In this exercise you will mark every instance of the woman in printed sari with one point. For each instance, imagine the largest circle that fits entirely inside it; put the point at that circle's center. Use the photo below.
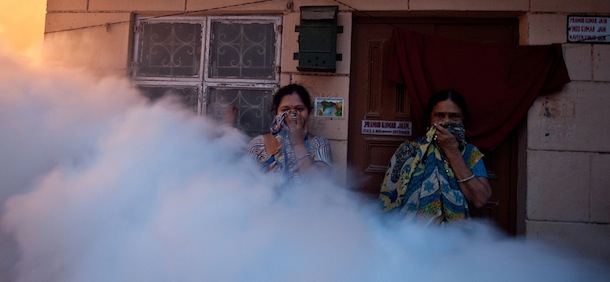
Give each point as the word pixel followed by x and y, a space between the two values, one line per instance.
pixel 290 149
pixel 434 178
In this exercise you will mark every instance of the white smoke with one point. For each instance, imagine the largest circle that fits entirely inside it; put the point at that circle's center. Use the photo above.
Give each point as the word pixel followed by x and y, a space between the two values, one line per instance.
pixel 98 185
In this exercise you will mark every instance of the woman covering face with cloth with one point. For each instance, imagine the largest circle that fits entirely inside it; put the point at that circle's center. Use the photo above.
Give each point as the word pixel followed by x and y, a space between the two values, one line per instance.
pixel 290 149
pixel 434 178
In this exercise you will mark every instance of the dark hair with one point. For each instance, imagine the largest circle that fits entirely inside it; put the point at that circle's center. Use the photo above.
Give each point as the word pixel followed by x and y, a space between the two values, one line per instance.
pixel 445 95
pixel 287 90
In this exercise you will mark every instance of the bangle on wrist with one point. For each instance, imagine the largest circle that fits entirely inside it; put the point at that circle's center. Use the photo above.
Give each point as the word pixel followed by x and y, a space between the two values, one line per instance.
pixel 466 179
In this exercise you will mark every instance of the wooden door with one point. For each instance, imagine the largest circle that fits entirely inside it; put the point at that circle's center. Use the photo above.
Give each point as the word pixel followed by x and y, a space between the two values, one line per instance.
pixel 374 97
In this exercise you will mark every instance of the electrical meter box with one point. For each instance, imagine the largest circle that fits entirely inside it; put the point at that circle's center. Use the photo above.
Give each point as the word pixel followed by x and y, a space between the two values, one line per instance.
pixel 318 39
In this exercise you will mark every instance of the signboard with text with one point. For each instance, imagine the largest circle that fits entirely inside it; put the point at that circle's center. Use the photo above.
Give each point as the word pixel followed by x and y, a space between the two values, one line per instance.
pixel 386 127
pixel 589 29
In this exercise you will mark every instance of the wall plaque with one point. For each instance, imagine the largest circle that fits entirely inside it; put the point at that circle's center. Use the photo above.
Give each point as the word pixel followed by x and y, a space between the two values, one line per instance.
pixel 386 127
pixel 588 29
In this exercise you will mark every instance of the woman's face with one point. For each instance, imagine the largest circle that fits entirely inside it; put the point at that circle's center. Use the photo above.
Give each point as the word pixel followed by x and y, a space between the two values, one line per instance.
pixel 293 102
pixel 446 111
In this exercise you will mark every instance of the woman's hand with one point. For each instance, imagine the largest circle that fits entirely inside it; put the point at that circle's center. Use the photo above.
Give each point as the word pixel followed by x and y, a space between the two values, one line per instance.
pixel 446 141
pixel 297 130
pixel 297 127
pixel 477 190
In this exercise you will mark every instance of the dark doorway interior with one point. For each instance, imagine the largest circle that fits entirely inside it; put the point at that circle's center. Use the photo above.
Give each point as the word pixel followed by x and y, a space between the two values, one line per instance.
pixel 374 97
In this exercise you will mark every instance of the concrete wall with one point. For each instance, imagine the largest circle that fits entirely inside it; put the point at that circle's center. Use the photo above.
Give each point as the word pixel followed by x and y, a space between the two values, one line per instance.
pixel 568 191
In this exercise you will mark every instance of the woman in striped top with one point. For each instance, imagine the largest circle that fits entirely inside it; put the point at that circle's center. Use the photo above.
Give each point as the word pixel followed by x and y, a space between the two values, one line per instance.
pixel 290 149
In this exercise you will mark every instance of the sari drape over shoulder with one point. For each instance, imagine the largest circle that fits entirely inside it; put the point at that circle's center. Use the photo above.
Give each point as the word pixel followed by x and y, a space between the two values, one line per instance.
pixel 283 160
pixel 420 183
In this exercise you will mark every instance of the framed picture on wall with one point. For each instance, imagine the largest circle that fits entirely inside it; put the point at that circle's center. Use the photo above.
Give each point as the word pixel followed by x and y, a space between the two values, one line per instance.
pixel 328 107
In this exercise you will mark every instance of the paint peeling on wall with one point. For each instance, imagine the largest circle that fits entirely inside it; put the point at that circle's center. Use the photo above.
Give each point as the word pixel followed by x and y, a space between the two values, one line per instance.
pixel 558 107
pixel 558 124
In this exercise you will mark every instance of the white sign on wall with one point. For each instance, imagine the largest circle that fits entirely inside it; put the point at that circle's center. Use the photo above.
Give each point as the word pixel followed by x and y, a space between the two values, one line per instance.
pixel 588 29
pixel 386 127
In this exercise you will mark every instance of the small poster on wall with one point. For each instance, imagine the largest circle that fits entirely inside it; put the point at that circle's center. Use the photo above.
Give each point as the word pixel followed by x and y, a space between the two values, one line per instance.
pixel 328 107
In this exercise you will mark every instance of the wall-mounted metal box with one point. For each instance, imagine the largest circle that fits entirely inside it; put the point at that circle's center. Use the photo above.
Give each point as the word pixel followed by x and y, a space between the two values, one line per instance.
pixel 318 39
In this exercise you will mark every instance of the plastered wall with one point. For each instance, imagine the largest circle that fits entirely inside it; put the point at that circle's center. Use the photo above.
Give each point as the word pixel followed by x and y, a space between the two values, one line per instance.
pixel 568 187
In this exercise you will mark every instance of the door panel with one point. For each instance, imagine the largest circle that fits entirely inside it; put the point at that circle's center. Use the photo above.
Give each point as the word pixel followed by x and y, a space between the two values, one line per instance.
pixel 374 97
pixel 370 88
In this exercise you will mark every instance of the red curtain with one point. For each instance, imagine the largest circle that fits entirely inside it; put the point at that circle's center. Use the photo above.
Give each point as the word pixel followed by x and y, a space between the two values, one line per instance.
pixel 499 82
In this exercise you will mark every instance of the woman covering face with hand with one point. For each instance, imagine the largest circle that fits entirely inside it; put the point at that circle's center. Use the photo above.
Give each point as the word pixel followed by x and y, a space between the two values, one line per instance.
pixel 437 176
pixel 290 149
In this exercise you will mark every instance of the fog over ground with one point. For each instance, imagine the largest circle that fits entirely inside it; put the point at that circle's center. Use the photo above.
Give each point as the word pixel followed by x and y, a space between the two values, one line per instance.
pixel 96 184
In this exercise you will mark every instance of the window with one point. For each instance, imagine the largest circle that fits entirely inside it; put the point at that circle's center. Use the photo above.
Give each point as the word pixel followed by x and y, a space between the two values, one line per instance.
pixel 212 64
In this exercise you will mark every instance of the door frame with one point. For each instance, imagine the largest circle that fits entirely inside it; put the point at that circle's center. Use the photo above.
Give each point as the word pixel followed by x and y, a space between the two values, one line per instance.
pixel 519 160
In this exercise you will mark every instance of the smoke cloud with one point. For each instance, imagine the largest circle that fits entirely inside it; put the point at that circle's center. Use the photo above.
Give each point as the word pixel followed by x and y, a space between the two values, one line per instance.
pixel 96 184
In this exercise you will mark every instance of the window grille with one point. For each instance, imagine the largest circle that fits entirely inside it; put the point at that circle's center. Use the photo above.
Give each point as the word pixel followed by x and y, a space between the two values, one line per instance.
pixel 211 64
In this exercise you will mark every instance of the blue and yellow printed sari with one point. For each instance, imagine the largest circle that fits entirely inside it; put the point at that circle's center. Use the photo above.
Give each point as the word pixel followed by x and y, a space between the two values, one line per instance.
pixel 420 183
